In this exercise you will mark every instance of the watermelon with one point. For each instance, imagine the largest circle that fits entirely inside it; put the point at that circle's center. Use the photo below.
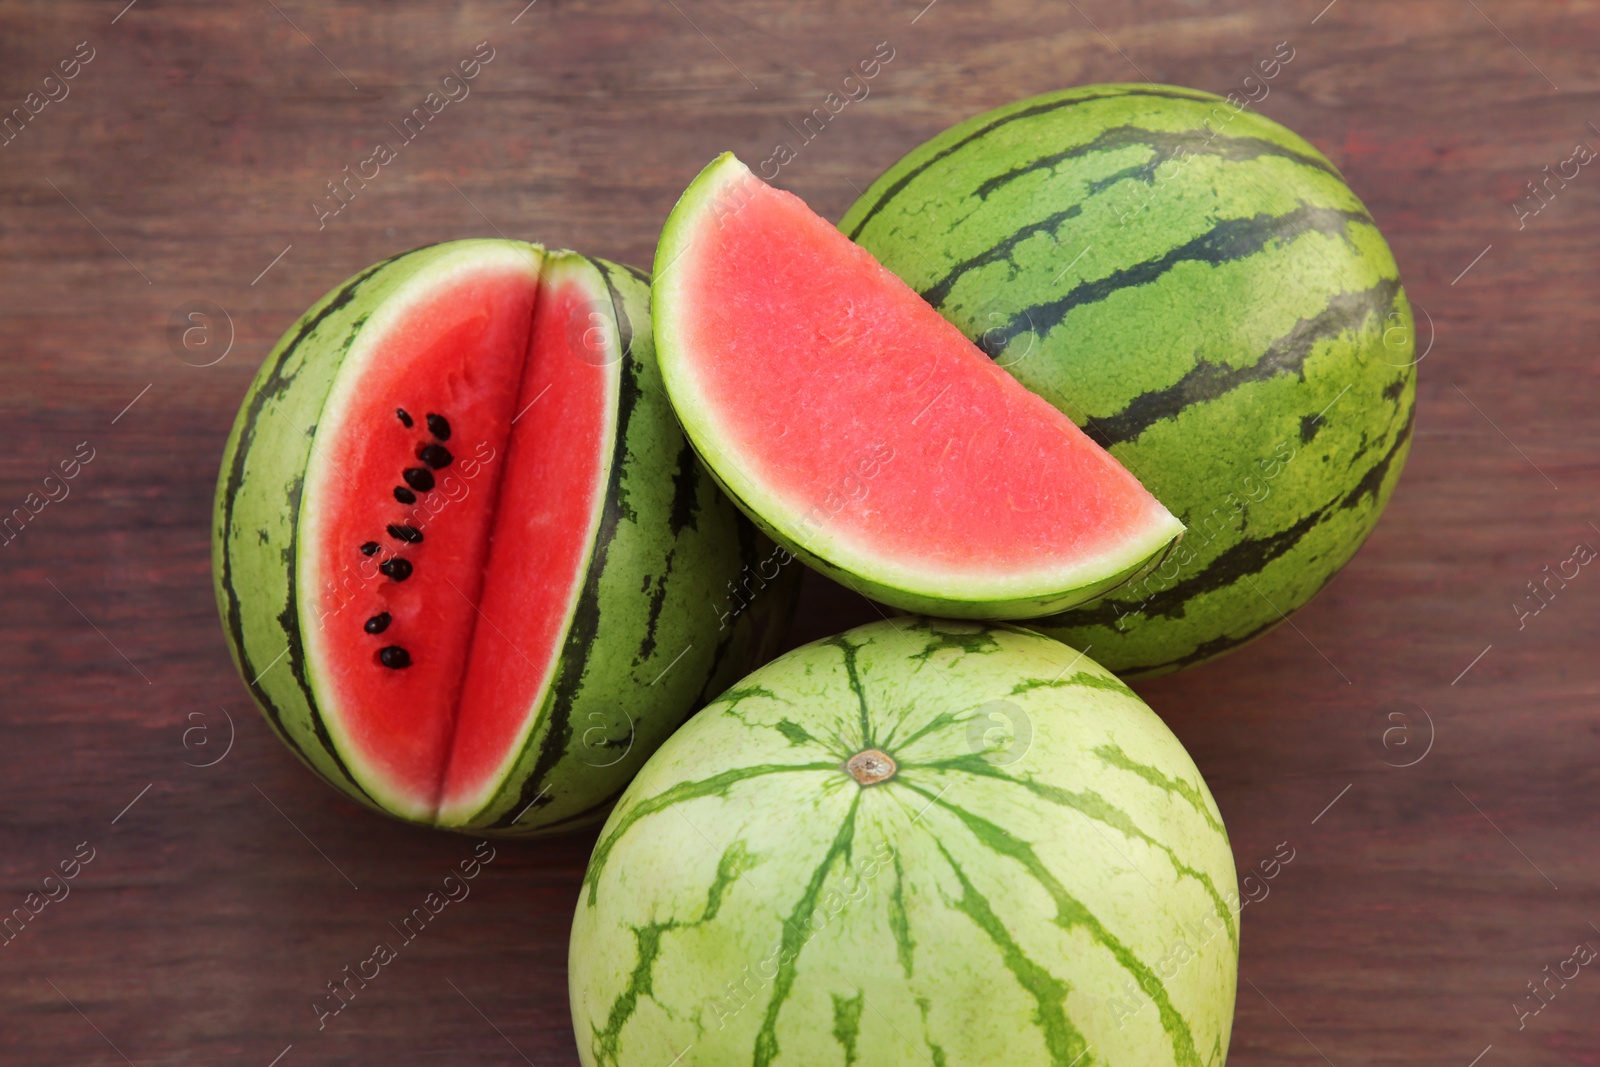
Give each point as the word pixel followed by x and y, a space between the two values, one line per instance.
pixel 865 434
pixel 918 842
pixel 1198 288
pixel 466 563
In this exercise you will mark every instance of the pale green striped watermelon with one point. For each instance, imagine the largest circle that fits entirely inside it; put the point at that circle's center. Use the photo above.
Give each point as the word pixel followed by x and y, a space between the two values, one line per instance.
pixel 918 842
pixel 466 563
pixel 1198 288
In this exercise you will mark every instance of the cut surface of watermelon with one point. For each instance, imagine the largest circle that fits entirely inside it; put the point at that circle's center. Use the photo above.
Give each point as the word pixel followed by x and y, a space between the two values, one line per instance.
pixel 867 433
pixel 469 428
pixel 540 545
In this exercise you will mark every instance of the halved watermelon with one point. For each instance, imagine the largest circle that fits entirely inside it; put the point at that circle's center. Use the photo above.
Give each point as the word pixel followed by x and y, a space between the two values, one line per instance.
pixel 465 559
pixel 866 433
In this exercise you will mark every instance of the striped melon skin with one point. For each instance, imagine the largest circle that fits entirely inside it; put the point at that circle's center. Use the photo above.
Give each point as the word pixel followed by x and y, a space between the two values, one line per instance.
pixel 1199 290
pixel 1016 892
pixel 667 545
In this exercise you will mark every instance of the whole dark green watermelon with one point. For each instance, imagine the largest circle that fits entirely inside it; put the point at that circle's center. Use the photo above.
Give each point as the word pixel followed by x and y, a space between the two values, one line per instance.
pixel 1198 288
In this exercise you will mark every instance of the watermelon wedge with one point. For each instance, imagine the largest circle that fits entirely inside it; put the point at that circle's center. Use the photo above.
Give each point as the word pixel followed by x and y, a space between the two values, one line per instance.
pixel 465 560
pixel 865 433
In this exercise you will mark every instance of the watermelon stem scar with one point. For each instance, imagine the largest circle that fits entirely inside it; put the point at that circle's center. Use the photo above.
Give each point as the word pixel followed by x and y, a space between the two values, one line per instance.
pixel 453 655
pixel 871 766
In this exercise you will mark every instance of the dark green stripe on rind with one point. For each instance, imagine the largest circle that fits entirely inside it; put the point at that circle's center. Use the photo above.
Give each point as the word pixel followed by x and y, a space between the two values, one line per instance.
pixel 939 291
pixel 759 623
pixel 1065 1043
pixel 935 1049
pixel 1242 559
pixel 847 1023
pixel 1373 480
pixel 1208 650
pixel 1198 289
pixel 658 600
pixel 1092 805
pixel 686 490
pixel 231 477
pixel 734 862
pixel 648 941
pixel 1228 241
pixel 272 415
pixel 854 677
pixel 967 642
pixel 1083 678
pixel 268 382
pixel 1286 355
pixel 1071 913
pixel 1240 562
pixel 796 934
pixel 715 786
pixel 944 720
pixel 1191 795
pixel 975 130
pixel 1165 145
pixel 900 923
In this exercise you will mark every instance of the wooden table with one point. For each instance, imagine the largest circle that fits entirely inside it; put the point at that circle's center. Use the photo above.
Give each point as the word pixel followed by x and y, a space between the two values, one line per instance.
pixel 182 168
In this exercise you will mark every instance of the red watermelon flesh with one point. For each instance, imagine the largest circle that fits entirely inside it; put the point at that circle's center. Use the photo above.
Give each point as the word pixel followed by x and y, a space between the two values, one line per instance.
pixel 860 426
pixel 541 544
pixel 464 433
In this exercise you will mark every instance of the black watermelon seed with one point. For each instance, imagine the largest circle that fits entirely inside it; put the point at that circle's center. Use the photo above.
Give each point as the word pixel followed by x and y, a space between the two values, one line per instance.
pixel 398 569
pixel 439 427
pixel 404 495
pixel 378 623
pixel 435 456
pixel 409 534
pixel 394 657
pixel 419 478
pixel 404 418
pixel 369 548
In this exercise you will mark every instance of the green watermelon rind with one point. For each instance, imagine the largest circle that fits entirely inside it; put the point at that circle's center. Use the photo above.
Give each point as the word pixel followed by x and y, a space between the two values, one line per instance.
pixel 995 906
pixel 1021 594
pixel 984 217
pixel 689 544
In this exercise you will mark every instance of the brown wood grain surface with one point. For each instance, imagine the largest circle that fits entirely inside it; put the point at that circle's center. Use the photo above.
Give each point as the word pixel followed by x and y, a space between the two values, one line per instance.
pixel 180 171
